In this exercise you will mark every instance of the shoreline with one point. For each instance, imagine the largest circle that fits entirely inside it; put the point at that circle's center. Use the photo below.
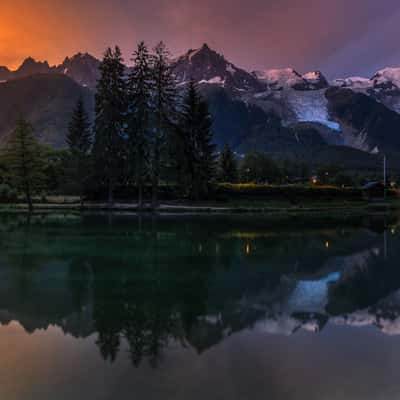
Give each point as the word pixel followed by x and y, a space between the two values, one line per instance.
pixel 350 207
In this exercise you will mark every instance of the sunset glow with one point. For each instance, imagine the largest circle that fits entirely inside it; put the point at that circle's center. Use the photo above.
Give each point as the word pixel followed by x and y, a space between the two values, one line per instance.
pixel 306 34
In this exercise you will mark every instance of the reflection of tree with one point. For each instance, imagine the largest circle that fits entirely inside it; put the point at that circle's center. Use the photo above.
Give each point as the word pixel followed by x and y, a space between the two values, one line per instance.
pixel 145 304
pixel 79 278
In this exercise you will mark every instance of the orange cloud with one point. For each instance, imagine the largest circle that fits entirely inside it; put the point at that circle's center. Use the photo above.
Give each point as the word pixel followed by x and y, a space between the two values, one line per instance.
pixel 44 29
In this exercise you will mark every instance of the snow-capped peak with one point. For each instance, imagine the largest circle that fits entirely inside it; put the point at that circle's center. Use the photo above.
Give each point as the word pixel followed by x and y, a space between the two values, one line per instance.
pixel 355 82
pixel 287 78
pixel 385 78
pixel 313 77
pixel 279 78
pixel 387 75
pixel 384 86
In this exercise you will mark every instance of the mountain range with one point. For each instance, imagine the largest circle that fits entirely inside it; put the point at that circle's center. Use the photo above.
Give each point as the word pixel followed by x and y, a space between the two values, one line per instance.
pixel 280 111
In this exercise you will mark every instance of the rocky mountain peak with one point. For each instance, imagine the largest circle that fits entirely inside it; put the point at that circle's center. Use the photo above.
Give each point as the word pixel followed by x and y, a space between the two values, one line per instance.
pixel 82 68
pixel 206 66
pixel 31 67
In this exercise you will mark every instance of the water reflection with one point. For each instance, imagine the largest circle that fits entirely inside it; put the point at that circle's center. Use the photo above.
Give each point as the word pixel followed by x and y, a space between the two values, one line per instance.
pixel 152 283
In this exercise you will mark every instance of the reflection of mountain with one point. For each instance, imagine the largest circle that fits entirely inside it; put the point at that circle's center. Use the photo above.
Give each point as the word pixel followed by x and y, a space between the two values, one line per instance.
pixel 150 281
pixel 385 315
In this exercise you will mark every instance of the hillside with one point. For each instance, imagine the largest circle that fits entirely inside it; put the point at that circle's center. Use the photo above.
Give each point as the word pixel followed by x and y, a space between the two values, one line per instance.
pixel 284 112
pixel 46 100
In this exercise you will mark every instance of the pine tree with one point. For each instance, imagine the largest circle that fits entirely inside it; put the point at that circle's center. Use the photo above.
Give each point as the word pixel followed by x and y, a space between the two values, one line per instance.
pixel 140 88
pixel 23 157
pixel 184 145
pixel 198 155
pixel 228 168
pixel 108 148
pixel 207 156
pixel 79 141
pixel 164 111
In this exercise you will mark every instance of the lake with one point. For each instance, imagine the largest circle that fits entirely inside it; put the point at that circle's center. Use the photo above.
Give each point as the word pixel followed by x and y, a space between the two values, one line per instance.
pixel 199 307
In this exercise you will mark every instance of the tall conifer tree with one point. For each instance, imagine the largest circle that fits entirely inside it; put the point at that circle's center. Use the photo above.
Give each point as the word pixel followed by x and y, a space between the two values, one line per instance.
pixel 23 157
pixel 79 141
pixel 198 151
pixel 108 148
pixel 164 112
pixel 228 169
pixel 140 89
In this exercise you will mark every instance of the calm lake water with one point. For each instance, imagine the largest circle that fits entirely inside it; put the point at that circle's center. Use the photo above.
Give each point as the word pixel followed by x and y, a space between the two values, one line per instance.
pixel 179 307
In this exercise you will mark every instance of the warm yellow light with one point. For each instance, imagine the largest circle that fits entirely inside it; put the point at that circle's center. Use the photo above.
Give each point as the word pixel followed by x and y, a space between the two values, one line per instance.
pixel 247 248
pixel 327 244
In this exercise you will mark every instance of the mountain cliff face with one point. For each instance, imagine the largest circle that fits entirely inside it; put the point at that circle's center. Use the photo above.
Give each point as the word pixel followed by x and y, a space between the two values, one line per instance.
pixel 208 67
pixel 82 68
pixel 370 126
pixel 383 86
pixel 281 111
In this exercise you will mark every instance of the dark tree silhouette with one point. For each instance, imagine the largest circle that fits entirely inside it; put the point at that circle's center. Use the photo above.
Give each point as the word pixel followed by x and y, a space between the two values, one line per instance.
pixel 23 157
pixel 79 141
pixel 108 148
pixel 140 89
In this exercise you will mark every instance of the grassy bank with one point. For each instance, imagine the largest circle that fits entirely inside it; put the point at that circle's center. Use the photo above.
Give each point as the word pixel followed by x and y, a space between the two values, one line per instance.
pixel 228 198
pixel 235 206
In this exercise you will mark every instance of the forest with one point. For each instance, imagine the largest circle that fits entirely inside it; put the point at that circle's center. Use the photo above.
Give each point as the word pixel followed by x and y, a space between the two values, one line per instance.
pixel 149 140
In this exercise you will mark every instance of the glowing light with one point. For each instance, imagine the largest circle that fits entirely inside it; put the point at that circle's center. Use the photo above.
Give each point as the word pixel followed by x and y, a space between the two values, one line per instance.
pixel 327 244
pixel 247 249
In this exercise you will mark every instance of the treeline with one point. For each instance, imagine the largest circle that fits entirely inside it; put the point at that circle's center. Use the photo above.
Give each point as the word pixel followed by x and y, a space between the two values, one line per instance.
pixel 146 133
pixel 143 128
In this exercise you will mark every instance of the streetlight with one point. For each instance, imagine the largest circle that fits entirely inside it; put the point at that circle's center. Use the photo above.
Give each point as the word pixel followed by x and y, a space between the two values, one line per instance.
pixel 384 177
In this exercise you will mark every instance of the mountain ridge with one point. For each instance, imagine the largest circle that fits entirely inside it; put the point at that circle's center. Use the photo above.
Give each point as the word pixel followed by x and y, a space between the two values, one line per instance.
pixel 266 106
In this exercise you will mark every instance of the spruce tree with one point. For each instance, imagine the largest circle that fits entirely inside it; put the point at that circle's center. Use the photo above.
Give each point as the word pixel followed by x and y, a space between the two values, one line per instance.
pixel 108 148
pixel 206 148
pixel 140 88
pixel 198 155
pixel 164 112
pixel 79 141
pixel 228 169
pixel 23 157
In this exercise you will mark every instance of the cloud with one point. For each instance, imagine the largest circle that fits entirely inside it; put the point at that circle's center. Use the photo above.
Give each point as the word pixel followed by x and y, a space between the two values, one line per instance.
pixel 256 34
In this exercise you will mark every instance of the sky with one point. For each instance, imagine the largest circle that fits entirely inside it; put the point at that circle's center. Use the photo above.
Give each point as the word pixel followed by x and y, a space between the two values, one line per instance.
pixel 339 37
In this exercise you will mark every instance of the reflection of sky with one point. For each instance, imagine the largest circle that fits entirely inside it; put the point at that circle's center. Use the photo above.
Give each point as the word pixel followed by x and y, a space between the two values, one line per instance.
pixel 342 363
pixel 311 296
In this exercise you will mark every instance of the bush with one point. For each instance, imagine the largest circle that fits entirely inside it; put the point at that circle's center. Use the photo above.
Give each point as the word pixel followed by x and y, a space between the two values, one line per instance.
pixel 287 192
pixel 7 194
pixel 258 167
